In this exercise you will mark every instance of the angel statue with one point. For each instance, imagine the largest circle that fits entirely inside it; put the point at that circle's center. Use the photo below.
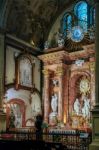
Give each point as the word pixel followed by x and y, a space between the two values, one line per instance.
pixel 55 82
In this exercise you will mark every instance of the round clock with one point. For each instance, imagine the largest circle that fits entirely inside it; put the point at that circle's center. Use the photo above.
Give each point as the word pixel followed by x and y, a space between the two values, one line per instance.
pixel 84 86
pixel 77 34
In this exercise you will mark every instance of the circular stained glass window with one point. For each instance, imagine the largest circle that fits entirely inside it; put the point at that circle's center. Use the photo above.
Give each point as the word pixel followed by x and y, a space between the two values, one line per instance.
pixel 77 34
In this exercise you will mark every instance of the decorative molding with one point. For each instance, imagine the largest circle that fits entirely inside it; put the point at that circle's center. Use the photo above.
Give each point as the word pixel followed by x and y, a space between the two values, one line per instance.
pixel 54 56
pixel 45 72
pixel 59 71
pixel 60 56
pixel 92 66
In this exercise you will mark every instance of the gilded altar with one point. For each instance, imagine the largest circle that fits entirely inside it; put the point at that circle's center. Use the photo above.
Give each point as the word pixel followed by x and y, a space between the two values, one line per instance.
pixel 69 76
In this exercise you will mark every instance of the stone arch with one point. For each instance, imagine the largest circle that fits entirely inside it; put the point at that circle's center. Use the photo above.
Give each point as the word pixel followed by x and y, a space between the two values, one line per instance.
pixel 22 107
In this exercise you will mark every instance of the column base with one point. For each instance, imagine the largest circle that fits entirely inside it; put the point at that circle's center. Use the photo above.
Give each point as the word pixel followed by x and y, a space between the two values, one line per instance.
pixel 94 146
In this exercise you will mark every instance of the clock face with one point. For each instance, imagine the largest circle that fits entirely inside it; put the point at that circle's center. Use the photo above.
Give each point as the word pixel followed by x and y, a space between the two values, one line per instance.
pixel 77 34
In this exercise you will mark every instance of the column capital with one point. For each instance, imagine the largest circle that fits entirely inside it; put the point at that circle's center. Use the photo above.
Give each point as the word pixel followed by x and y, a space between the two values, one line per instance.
pixel 60 71
pixel 92 66
pixel 45 72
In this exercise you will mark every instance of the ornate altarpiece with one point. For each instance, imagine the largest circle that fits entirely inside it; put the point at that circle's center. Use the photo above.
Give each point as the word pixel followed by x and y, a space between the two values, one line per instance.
pixel 70 76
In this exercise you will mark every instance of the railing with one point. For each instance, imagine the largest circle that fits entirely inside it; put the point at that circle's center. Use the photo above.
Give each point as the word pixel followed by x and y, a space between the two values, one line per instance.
pixel 70 139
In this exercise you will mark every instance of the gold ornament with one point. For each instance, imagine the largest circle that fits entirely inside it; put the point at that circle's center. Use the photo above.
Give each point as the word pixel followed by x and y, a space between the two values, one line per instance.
pixel 84 86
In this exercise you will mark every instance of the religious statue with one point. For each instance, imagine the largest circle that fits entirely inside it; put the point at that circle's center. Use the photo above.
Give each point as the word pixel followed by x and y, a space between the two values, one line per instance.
pixel 86 107
pixel 77 106
pixel 11 120
pixel 60 41
pixel 18 121
pixel 54 103
pixel 55 82
pixel 46 45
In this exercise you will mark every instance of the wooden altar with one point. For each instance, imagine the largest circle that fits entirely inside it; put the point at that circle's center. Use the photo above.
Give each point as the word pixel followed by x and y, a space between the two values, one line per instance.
pixel 64 75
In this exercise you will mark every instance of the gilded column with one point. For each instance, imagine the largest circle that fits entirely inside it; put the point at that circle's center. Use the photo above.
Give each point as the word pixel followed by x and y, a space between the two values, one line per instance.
pixel 59 73
pixel 46 95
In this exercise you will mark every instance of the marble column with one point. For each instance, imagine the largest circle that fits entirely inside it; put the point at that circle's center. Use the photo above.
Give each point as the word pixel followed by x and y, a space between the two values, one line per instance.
pixel 59 73
pixel 95 112
pixel 46 95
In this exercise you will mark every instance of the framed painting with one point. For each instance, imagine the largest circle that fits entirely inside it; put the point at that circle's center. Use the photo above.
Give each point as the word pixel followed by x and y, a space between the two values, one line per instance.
pixel 24 72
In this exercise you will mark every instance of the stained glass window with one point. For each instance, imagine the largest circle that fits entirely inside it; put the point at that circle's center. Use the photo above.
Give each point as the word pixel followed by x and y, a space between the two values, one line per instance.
pixel 64 26
pixel 81 12
pixel 82 16
pixel 66 23
pixel 69 22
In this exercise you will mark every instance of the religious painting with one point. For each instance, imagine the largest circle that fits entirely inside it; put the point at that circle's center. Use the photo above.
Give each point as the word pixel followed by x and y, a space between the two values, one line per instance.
pixel 35 104
pixel 24 72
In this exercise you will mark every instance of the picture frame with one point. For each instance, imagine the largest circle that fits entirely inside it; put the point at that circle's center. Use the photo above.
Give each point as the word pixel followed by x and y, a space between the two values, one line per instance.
pixel 24 72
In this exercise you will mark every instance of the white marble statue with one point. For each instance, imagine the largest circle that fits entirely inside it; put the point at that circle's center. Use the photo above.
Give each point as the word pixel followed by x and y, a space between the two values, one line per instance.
pixel 60 41
pixel 86 107
pixel 46 45
pixel 55 82
pixel 54 103
pixel 77 106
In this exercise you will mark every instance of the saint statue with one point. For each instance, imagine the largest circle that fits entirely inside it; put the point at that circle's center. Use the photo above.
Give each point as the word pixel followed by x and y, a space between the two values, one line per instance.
pixel 86 107
pixel 77 106
pixel 46 45
pixel 60 41
pixel 54 103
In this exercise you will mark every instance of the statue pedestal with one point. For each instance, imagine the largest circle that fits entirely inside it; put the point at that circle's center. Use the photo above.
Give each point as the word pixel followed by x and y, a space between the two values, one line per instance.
pixel 78 121
pixel 53 119
pixel 2 121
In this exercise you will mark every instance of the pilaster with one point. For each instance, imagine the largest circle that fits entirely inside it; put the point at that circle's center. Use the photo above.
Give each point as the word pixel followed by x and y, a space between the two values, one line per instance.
pixel 95 112
pixel 46 95
pixel 59 73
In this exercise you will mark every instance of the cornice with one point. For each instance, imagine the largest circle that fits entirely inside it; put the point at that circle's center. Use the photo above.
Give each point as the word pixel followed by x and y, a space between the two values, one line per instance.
pixel 87 51
pixel 55 56
pixel 62 56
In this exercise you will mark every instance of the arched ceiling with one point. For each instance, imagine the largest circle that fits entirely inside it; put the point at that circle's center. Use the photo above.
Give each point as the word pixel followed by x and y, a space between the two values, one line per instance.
pixel 32 19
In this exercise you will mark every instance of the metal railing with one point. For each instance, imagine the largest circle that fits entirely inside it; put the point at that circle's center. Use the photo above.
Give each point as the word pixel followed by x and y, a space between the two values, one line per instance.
pixel 69 139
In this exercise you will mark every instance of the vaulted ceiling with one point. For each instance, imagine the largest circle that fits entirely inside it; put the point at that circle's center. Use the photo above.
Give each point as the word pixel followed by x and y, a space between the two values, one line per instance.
pixel 31 19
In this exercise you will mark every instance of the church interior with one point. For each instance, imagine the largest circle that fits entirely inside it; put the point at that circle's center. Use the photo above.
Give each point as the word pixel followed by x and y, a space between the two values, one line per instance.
pixel 49 74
